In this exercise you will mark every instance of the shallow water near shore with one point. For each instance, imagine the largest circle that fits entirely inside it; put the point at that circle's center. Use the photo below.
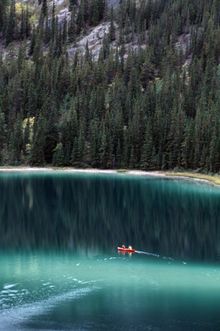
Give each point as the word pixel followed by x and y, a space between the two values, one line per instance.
pixel 60 269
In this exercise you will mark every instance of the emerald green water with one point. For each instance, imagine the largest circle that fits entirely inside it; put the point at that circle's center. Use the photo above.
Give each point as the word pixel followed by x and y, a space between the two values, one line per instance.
pixel 59 268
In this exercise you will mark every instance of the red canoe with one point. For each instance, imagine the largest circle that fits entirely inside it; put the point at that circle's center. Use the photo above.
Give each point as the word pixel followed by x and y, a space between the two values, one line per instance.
pixel 126 250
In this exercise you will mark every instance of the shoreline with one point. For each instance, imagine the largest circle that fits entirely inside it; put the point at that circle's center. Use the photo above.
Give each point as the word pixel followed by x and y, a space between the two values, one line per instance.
pixel 185 175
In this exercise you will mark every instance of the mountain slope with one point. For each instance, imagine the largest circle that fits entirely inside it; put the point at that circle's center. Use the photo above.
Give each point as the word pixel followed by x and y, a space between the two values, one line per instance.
pixel 133 87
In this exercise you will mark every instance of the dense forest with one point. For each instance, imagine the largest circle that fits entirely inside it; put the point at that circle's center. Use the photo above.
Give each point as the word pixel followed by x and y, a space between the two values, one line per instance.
pixel 153 106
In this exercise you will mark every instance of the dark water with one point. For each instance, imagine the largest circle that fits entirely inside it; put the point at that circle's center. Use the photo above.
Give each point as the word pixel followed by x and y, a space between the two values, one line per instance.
pixel 59 269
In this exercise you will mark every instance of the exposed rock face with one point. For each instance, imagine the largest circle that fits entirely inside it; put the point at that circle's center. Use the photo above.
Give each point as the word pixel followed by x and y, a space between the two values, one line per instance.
pixel 113 3
pixel 94 41
pixel 183 42
pixel 93 38
pixel 60 2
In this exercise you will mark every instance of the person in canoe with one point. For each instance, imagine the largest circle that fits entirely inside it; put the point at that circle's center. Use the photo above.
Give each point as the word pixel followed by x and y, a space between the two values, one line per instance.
pixel 125 249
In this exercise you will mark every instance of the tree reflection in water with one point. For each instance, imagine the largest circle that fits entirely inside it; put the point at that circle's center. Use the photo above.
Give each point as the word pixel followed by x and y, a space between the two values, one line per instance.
pixel 84 212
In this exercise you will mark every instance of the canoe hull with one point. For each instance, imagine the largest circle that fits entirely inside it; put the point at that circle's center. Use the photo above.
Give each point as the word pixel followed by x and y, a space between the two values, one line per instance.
pixel 126 250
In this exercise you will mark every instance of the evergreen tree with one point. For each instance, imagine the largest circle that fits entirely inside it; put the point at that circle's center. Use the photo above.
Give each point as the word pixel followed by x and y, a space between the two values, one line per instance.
pixel 37 152
pixel 3 11
pixel 112 32
pixel 44 8
pixel 2 137
pixel 147 149
pixel 72 4
pixel 58 155
pixel 11 25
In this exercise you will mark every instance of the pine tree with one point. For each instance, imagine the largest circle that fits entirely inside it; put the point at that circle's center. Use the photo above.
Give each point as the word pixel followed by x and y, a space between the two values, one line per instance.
pixel 11 25
pixel 147 149
pixel 3 10
pixel 112 35
pixel 72 4
pixel 44 8
pixel 72 29
pixel 33 43
pixel 23 25
pixel 2 136
pixel 37 151
pixel 58 155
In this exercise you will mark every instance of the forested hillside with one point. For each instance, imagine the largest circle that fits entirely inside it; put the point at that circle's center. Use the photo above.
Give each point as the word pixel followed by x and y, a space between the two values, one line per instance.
pixel 136 85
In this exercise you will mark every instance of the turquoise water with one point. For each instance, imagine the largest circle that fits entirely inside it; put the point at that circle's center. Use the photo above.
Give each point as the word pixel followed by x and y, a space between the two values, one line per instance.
pixel 59 268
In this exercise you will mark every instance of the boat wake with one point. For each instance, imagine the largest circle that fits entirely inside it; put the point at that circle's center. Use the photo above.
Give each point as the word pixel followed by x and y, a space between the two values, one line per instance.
pixel 147 253
pixel 155 255
pixel 13 318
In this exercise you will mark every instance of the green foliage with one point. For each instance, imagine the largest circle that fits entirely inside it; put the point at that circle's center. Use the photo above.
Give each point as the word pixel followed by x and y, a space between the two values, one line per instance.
pixel 58 156
pixel 11 24
pixel 3 12
pixel 153 108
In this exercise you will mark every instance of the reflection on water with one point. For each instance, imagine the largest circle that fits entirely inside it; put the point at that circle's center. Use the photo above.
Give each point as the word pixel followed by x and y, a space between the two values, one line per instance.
pixel 96 212
pixel 84 212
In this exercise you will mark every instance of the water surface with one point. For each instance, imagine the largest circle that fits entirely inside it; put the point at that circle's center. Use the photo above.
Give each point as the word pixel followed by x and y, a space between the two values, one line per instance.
pixel 59 265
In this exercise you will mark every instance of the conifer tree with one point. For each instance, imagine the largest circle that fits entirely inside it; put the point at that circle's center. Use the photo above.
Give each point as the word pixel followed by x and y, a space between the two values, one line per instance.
pixel 11 24
pixel 44 8
pixel 147 149
pixel 2 136
pixel 72 4
pixel 112 26
pixel 3 10
pixel 72 29
pixel 58 155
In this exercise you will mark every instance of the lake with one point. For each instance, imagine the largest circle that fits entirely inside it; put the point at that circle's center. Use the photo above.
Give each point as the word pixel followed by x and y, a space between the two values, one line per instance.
pixel 59 266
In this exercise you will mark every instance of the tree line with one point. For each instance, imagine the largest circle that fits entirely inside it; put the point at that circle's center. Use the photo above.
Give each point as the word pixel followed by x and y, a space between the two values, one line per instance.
pixel 156 107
